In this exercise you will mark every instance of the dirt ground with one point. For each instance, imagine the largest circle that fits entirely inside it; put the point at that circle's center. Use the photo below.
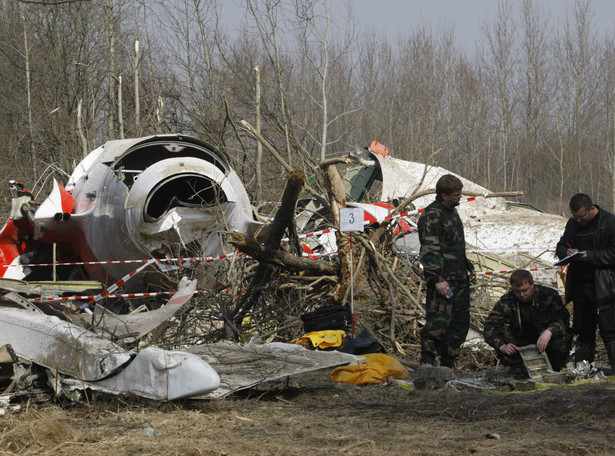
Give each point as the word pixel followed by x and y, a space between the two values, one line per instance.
pixel 309 415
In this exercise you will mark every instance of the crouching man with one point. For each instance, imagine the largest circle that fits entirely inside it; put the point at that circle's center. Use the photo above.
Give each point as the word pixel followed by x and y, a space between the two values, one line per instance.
pixel 528 314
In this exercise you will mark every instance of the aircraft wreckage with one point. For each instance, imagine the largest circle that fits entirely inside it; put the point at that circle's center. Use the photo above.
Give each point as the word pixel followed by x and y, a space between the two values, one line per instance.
pixel 149 200
pixel 128 201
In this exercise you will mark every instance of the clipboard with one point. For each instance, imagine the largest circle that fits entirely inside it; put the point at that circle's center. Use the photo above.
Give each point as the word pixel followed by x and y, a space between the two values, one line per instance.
pixel 568 259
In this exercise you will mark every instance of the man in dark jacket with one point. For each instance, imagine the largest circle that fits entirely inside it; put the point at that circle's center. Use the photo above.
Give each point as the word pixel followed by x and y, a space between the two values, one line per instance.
pixel 528 314
pixel 590 281
pixel 443 256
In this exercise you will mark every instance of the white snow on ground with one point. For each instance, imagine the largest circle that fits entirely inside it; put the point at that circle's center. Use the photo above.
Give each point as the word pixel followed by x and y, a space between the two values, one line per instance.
pixel 523 237
pixel 503 228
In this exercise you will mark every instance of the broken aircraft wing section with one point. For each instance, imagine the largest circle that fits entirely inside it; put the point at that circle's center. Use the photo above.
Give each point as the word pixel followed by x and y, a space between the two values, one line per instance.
pixel 57 344
pixel 159 374
pixel 68 349
pixel 245 366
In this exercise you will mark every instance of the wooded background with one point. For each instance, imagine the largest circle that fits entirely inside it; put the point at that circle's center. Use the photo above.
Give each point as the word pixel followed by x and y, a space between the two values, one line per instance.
pixel 531 108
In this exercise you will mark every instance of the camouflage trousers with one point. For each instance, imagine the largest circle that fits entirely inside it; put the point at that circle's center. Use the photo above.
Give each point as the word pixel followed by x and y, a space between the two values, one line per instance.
pixel 557 350
pixel 447 322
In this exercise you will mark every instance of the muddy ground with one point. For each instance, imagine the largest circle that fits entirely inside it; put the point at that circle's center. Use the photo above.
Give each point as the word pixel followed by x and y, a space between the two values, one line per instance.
pixel 309 415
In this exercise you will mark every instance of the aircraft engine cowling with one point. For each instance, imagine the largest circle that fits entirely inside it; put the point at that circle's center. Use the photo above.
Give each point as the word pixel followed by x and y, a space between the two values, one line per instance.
pixel 139 198
pixel 181 200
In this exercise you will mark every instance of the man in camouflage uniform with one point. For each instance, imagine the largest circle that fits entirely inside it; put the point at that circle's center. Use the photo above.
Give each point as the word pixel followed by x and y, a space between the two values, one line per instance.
pixel 528 314
pixel 443 256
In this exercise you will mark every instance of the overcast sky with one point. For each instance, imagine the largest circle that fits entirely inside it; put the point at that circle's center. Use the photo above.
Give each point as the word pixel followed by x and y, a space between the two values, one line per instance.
pixel 400 17
pixel 466 16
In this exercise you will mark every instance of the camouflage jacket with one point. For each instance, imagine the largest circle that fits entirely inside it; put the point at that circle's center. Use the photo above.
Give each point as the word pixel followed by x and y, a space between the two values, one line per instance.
pixel 443 246
pixel 508 322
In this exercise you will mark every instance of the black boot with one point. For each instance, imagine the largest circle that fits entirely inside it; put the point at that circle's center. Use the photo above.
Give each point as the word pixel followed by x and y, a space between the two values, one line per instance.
pixel 447 361
pixel 428 358
pixel 610 352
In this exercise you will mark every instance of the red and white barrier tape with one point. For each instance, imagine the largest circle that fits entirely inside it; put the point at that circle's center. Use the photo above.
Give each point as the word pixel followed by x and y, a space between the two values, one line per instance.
pixel 209 259
pixel 506 271
pixel 548 268
pixel 121 295
pixel 517 250
pixel 116 285
pixel 384 219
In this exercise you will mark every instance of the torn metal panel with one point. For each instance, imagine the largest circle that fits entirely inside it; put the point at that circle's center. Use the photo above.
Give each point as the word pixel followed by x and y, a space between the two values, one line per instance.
pixel 68 349
pixel 244 366
pixel 21 301
pixel 159 374
pixel 401 178
pixel 59 345
pixel 135 326
pixel 7 355
pixel 48 288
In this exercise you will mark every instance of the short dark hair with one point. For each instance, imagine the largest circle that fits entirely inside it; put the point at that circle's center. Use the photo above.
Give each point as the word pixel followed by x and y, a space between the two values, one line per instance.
pixel 580 200
pixel 520 276
pixel 448 184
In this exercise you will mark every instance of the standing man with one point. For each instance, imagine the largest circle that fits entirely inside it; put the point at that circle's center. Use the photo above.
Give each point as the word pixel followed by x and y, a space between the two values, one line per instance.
pixel 443 256
pixel 590 282
pixel 528 314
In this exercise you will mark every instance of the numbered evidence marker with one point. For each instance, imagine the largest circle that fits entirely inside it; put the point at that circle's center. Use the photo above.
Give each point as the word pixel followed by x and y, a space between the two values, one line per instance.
pixel 351 219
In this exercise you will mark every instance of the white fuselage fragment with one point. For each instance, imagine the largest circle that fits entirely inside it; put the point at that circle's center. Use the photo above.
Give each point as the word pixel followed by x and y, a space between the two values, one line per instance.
pixel 87 357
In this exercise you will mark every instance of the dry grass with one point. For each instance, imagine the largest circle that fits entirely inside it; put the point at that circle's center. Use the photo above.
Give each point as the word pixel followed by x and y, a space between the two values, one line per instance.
pixel 314 416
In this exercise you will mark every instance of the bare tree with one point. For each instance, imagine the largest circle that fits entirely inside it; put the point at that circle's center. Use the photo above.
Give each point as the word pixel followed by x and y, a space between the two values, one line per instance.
pixel 267 24
pixel 576 60
pixel 535 98
pixel 110 35
pixel 26 55
pixel 499 65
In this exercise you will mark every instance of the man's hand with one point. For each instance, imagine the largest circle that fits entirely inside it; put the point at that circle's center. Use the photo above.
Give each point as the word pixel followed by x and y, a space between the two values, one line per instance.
pixel 572 251
pixel 441 288
pixel 543 340
pixel 509 349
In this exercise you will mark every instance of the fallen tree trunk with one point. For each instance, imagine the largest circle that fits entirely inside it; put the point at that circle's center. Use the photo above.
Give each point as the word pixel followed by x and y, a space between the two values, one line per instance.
pixel 281 258
pixel 283 220
pixel 337 198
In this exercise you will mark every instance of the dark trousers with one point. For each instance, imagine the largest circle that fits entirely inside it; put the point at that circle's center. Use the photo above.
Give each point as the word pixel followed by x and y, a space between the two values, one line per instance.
pixel 585 317
pixel 447 321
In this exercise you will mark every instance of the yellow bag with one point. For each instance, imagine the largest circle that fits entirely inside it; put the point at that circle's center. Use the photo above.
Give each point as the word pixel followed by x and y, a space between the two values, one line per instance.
pixel 377 368
pixel 321 339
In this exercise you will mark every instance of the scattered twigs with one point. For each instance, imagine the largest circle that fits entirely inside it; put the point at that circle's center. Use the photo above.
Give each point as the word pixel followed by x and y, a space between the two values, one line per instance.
pixel 282 221
pixel 385 264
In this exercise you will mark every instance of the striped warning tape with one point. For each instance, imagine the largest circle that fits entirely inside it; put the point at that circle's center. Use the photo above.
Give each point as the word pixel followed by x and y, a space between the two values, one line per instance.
pixel 116 285
pixel 506 271
pixel 384 219
pixel 198 260
pixel 211 259
pixel 122 295
pixel 502 250
pixel 106 294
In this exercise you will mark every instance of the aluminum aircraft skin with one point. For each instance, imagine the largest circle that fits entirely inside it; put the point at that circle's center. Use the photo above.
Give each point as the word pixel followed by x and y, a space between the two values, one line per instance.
pixel 136 199
pixel 152 197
